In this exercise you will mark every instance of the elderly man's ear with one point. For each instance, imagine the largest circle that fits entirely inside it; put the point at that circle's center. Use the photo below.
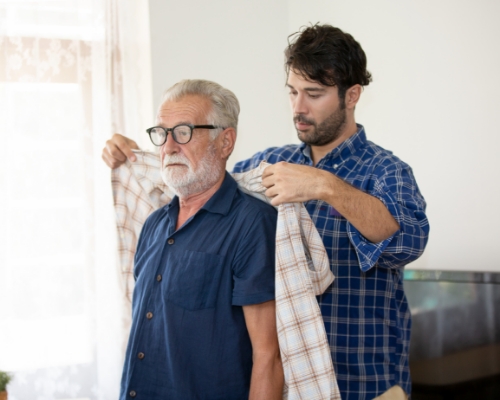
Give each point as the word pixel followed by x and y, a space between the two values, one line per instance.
pixel 228 140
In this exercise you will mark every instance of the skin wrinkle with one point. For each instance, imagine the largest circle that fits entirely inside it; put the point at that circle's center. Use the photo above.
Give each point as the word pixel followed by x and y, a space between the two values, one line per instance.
pixel 185 181
pixel 197 165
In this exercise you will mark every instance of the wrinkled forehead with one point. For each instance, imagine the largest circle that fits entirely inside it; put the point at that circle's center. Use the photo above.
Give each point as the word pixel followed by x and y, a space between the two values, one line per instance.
pixel 189 109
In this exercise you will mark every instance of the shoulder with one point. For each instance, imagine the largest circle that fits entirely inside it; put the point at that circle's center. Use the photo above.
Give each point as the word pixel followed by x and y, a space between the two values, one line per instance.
pixel 253 207
pixel 150 231
pixel 150 226
pixel 380 171
pixel 272 155
pixel 381 158
pixel 254 219
pixel 155 216
pixel 284 153
pixel 370 167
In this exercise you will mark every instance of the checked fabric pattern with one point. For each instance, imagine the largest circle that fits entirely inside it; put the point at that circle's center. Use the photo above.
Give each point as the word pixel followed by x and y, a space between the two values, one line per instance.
pixel 302 271
pixel 138 190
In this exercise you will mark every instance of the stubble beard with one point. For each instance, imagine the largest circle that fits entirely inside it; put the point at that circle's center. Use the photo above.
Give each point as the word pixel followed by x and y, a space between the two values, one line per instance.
pixel 327 131
pixel 184 181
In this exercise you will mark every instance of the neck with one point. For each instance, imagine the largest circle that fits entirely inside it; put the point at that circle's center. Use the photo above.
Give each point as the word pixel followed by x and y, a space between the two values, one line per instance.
pixel 318 152
pixel 189 205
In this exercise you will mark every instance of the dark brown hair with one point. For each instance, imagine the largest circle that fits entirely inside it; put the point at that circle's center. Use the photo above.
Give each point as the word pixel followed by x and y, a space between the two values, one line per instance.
pixel 325 54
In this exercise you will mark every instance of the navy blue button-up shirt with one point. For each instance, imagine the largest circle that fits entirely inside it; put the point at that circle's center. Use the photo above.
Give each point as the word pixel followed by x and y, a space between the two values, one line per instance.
pixel 366 314
pixel 188 338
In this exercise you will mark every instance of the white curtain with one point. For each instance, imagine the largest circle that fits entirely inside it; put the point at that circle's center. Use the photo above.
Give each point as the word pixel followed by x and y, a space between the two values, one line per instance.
pixel 71 73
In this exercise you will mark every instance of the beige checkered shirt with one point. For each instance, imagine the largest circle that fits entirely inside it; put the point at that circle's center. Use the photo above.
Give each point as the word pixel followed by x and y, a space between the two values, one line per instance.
pixel 302 271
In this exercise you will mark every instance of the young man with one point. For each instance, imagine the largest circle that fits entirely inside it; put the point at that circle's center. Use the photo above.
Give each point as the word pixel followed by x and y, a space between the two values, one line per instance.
pixel 364 202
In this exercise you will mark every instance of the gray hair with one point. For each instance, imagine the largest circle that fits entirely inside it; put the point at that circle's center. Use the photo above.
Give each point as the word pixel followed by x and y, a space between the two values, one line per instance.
pixel 225 105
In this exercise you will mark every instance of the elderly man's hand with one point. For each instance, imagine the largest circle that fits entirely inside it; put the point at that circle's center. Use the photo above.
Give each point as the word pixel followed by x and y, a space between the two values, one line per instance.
pixel 292 183
pixel 117 150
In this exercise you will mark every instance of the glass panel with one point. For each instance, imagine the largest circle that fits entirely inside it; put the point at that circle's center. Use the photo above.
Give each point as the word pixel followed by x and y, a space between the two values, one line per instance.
pixel 452 311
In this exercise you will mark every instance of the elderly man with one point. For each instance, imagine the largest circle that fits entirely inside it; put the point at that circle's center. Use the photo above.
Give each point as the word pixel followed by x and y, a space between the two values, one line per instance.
pixel 203 305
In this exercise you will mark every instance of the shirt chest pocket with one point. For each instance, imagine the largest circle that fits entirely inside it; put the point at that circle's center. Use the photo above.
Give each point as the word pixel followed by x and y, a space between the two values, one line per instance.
pixel 194 279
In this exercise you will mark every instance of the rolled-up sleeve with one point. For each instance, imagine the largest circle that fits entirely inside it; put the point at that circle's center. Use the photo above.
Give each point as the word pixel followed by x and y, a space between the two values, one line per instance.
pixel 396 187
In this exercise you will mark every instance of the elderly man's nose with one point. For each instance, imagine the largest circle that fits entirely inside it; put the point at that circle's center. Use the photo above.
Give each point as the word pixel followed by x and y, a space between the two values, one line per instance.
pixel 170 146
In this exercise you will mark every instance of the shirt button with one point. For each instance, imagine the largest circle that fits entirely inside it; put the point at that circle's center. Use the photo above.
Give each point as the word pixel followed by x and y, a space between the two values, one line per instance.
pixel 158 278
pixel 149 315
pixel 140 356
pixel 132 393
pixel 171 241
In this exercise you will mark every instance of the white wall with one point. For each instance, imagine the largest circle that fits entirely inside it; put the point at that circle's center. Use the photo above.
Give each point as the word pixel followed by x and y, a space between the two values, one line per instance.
pixel 433 100
pixel 236 43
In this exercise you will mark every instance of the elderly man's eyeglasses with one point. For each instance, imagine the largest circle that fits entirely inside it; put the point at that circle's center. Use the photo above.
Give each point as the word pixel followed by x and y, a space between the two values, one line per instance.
pixel 181 133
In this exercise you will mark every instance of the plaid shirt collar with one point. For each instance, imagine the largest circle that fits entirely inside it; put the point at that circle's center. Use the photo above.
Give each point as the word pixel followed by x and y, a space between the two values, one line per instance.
pixel 343 151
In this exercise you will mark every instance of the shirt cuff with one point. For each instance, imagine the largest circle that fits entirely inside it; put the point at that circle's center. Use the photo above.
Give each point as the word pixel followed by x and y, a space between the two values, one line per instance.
pixel 368 252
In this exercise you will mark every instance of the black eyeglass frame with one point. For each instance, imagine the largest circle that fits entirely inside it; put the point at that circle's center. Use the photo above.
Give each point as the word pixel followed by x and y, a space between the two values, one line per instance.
pixel 191 127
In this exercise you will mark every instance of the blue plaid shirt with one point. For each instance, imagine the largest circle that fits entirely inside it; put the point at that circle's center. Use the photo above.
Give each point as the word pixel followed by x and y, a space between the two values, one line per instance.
pixel 366 313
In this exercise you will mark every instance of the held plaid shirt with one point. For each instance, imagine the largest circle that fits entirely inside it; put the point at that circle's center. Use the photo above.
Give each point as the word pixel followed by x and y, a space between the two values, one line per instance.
pixel 365 312
pixel 302 271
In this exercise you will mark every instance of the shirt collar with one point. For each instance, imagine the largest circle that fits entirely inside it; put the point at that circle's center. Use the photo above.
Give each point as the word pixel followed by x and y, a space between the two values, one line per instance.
pixel 221 200
pixel 306 152
pixel 344 149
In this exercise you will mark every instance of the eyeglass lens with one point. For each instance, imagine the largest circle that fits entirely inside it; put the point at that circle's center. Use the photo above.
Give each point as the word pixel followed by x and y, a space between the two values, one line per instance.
pixel 181 134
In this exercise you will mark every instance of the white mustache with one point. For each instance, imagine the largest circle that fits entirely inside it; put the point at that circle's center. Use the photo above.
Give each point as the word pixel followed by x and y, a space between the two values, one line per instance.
pixel 175 159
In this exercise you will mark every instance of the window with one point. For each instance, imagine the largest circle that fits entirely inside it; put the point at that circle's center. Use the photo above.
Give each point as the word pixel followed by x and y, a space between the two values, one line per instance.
pixel 62 92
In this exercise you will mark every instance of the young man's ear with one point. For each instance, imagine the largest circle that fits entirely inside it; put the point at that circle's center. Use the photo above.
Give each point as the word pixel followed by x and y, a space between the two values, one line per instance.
pixel 352 96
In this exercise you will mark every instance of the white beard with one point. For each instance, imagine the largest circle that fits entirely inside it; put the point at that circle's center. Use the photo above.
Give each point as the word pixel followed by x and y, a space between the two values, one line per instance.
pixel 184 181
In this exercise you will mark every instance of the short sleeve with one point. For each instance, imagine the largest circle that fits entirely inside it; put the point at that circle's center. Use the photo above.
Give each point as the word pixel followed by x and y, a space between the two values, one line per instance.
pixel 254 263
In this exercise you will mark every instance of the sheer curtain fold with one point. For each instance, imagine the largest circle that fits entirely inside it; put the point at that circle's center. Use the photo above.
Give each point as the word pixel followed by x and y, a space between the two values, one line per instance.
pixel 71 73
